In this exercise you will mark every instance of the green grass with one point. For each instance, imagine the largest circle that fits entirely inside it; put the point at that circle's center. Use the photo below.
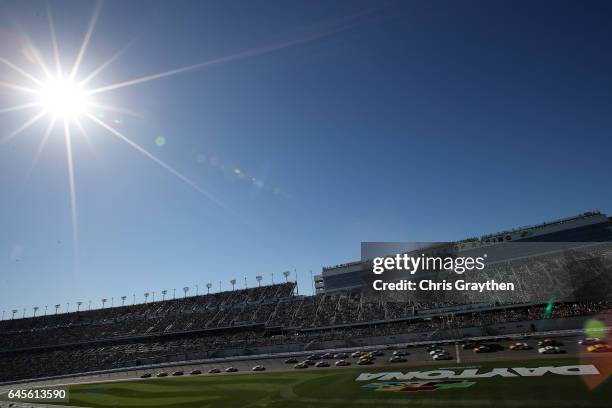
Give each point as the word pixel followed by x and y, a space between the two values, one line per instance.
pixel 338 388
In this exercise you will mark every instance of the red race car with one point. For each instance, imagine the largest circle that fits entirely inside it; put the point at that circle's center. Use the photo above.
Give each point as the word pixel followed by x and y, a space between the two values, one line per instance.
pixel 520 346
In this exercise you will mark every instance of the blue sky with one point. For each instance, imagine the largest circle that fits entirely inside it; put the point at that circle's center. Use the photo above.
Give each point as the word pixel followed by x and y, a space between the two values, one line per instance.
pixel 395 121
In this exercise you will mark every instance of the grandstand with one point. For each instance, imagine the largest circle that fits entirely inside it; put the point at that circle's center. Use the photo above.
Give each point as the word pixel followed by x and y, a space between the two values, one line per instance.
pixel 273 318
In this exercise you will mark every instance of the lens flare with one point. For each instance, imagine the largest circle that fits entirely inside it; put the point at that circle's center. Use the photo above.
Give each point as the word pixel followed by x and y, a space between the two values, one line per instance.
pixel 63 97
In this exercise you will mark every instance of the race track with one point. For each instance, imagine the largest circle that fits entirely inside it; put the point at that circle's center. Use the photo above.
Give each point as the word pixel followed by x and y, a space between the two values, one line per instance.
pixel 417 356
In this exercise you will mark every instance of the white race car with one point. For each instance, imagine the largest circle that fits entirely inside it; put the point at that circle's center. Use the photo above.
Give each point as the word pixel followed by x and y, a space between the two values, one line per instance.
pixel 442 356
pixel 550 350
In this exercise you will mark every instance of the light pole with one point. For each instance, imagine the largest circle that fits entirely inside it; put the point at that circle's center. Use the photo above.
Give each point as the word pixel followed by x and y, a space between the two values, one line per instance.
pixel 57 308
pixel 112 301
pixel 153 296
pixel 104 302
pixel 208 286
pixel 245 282
pixel 123 300
pixel 258 278
pixel 35 310
pixel 174 293
pixel 286 275
pixel 185 290
pixel 67 307
pixel 13 311
pixel 233 282
pixel 89 304
pixel 45 310
pixel 164 294
pixel 312 283
pixel 197 290
pixel 146 295
pixel 24 310
pixel 79 306
pixel 3 314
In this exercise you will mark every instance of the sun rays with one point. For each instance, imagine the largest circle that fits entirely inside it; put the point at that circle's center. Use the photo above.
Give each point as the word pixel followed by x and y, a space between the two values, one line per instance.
pixel 63 96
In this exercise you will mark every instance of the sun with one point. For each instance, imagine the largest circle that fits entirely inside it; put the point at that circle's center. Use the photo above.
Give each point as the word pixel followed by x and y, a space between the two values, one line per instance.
pixel 63 97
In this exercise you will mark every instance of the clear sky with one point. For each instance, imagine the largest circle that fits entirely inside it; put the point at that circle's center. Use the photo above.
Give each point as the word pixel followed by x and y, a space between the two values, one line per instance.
pixel 334 122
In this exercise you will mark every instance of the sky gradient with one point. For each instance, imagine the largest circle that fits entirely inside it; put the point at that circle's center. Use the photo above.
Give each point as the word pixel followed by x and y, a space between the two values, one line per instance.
pixel 332 123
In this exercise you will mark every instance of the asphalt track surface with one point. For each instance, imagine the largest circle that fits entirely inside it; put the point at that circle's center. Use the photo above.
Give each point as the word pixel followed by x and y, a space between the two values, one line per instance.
pixel 417 356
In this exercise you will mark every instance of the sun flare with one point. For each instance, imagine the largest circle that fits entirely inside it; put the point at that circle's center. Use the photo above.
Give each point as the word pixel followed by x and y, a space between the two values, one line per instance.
pixel 64 98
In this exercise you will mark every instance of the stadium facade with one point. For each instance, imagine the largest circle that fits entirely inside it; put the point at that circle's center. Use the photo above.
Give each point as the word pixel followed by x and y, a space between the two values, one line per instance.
pixel 580 231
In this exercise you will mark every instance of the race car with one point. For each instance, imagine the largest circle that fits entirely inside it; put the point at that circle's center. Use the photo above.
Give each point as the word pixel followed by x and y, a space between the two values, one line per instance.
pixel 377 353
pixel 432 347
pixel 322 364
pixel 550 350
pixel 442 356
pixel 470 345
pixel 435 351
pixel 313 357
pixel 487 348
pixel 365 361
pixel 483 348
pixel 342 363
pixel 231 370
pixel 291 361
pixel 520 346
pixel 340 356
pixel 549 342
pixel 162 374
pixel 309 362
pixel 259 368
pixel 195 372
pixel 177 373
pixel 397 359
pixel 301 365
pixel 214 371
pixel 327 356
pixel 599 348
pixel 590 341
pixel 356 354
pixel 146 375
pixel 400 353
